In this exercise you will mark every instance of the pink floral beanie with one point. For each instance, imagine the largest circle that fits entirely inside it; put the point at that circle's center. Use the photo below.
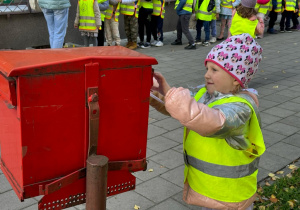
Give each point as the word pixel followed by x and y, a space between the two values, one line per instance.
pixel 239 56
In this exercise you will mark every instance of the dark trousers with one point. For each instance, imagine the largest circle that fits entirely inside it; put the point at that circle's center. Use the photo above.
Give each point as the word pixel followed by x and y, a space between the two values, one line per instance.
pixel 144 20
pixel 295 19
pixel 206 25
pixel 286 17
pixel 101 35
pixel 160 24
pixel 157 27
pixel 273 18
pixel 183 27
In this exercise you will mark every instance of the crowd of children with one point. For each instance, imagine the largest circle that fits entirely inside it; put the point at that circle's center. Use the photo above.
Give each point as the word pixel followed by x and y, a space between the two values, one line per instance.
pixel 239 16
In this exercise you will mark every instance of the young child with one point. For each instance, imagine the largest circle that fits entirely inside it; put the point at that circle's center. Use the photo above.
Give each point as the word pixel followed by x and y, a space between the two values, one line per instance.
pixel 157 21
pixel 225 16
pixel 112 23
pixel 262 7
pixel 288 8
pixel 222 139
pixel 88 19
pixel 245 20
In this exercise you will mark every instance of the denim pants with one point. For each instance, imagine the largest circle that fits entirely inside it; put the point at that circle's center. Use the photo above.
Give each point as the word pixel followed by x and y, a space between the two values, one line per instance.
pixel 206 25
pixel 57 22
pixel 213 26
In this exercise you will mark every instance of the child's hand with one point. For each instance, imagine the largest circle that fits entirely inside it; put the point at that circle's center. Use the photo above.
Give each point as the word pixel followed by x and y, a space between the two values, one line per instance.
pixel 217 16
pixel 160 84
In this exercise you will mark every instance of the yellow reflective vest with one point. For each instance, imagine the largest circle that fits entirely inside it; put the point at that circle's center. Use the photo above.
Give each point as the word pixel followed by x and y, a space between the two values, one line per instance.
pixel 262 8
pixel 202 13
pixel 289 5
pixel 102 13
pixel 146 4
pixel 278 8
pixel 130 9
pixel 159 8
pixel 218 171
pixel 110 12
pixel 227 3
pixel 187 7
pixel 87 16
pixel 241 25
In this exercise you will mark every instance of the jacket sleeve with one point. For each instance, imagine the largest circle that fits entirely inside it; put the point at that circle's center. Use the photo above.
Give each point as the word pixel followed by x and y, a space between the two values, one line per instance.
pixel 97 14
pixel 180 5
pixel 218 9
pixel 127 1
pixel 76 22
pixel 236 3
pixel 157 105
pixel 103 6
pixel 193 115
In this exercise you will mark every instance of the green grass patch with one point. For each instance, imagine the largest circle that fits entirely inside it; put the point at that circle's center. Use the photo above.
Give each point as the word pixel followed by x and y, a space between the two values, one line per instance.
pixel 283 193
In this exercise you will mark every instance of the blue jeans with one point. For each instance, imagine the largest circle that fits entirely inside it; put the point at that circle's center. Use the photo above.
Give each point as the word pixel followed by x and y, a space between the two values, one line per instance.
pixel 57 22
pixel 199 25
pixel 213 26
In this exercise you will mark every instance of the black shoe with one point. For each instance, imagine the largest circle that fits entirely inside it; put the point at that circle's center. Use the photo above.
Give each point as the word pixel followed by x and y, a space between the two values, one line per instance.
pixel 272 31
pixel 294 28
pixel 191 47
pixel 288 30
pixel 176 42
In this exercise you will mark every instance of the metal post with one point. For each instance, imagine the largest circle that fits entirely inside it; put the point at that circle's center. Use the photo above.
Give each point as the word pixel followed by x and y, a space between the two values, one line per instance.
pixel 96 182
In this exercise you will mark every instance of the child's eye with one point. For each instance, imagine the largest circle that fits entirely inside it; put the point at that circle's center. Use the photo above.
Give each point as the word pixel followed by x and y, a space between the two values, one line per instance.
pixel 214 69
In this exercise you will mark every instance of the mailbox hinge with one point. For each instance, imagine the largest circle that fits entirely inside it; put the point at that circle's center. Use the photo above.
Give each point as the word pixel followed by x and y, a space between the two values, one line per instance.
pixel 94 110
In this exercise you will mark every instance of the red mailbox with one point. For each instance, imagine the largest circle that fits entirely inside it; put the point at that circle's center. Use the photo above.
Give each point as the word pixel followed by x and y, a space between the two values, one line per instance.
pixel 47 128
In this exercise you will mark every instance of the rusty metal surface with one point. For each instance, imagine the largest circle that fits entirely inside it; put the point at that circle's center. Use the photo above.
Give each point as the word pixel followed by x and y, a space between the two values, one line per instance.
pixel 96 182
pixel 93 120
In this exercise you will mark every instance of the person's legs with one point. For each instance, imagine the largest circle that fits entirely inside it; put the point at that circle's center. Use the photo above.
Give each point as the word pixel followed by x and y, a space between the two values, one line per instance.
pixel 206 25
pixel 199 25
pixel 115 32
pixel 86 41
pixel 148 27
pixel 179 29
pixel 141 22
pixel 223 23
pixel 228 25
pixel 153 24
pixel 108 32
pixel 101 35
pixel 185 19
pixel 213 26
pixel 160 24
pixel 60 27
pixel 295 20
pixel 94 41
pixel 283 14
pixel 133 23
pixel 127 29
pixel 273 18
pixel 288 20
pixel 49 17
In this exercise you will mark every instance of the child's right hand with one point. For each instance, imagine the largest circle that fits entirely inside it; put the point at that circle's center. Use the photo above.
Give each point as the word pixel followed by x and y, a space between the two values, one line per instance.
pixel 160 84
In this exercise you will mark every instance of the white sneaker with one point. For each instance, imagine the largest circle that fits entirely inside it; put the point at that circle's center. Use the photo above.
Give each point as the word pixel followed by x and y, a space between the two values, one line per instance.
pixel 154 43
pixel 159 44
pixel 213 39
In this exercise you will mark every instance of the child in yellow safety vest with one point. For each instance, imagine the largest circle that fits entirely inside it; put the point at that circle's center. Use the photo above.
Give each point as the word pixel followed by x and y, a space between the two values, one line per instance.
pixel 245 20
pixel 288 8
pixel 295 16
pixel 275 9
pixel 88 20
pixel 222 139
pixel 112 23
pixel 226 15
pixel 262 7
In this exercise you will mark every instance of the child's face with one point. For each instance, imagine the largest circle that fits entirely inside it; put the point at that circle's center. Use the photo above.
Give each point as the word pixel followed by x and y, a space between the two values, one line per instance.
pixel 217 79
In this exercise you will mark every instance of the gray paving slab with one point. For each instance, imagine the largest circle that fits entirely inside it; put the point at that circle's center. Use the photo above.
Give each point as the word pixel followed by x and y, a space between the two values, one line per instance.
pixel 170 158
pixel 169 204
pixel 282 128
pixel 160 143
pixel 153 170
pixel 272 162
pixel 293 140
pixel 279 112
pixel 285 150
pixel 157 189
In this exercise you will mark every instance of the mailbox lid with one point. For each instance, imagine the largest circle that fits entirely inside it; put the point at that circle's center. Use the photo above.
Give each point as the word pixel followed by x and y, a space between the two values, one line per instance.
pixel 31 62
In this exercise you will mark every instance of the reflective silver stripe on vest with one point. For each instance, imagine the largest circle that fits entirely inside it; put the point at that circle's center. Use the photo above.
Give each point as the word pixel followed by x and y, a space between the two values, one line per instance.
pixel 87 24
pixel 127 9
pixel 220 170
pixel 188 5
pixel 264 6
pixel 204 13
pixel 87 18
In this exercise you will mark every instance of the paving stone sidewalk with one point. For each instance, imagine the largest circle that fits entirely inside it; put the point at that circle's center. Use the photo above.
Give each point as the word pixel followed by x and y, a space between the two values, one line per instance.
pixel 278 85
